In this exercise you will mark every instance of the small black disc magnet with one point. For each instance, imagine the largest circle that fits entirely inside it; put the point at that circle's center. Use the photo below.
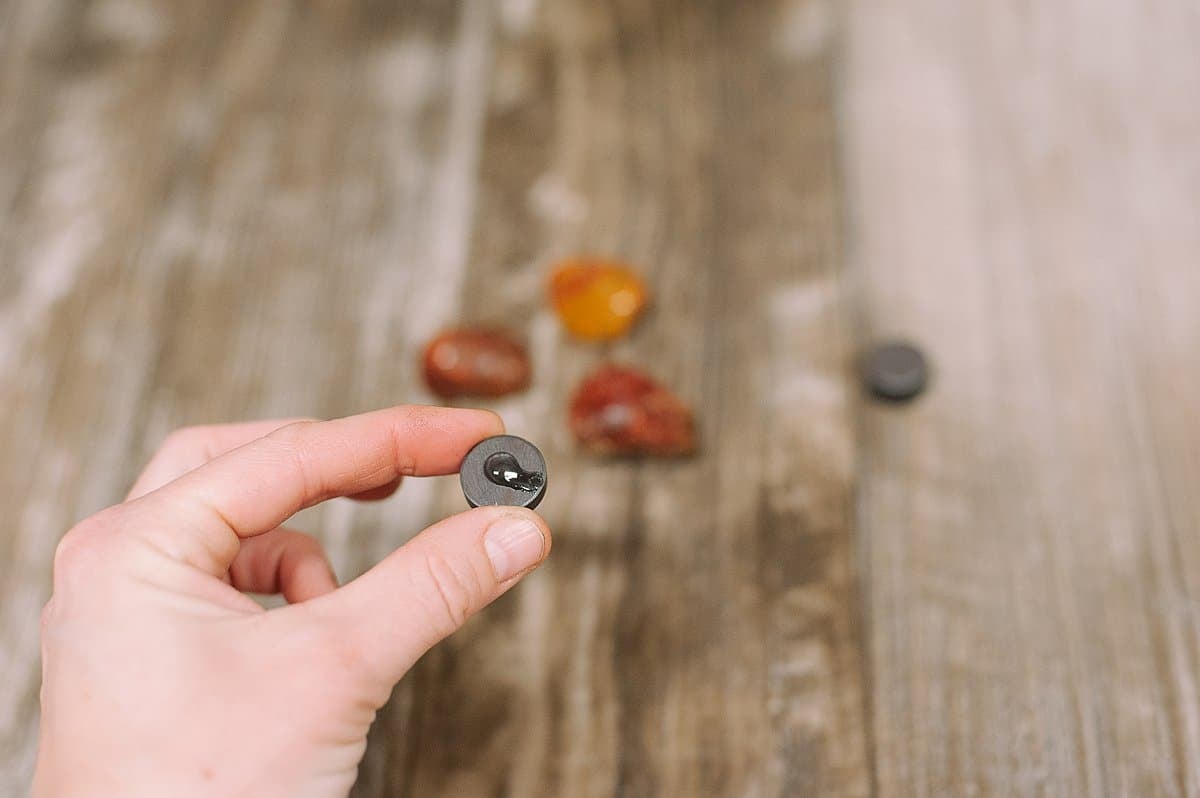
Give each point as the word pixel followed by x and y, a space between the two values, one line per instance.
pixel 503 469
pixel 895 371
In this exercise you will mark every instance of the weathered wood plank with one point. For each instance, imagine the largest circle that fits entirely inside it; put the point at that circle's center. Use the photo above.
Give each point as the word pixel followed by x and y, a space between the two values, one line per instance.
pixel 695 631
pixel 252 209
pixel 1024 191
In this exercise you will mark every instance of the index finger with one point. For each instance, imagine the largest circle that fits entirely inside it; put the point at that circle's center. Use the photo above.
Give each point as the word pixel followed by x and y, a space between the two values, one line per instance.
pixel 192 447
pixel 257 487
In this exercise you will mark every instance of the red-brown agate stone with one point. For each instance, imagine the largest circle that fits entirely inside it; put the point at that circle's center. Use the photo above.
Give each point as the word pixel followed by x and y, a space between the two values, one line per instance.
pixel 475 362
pixel 621 410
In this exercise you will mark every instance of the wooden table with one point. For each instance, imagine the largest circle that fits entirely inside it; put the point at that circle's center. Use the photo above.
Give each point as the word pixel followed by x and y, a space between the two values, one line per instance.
pixel 258 208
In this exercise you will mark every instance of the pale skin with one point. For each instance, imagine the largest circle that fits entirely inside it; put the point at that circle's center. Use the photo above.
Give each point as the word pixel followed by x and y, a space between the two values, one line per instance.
pixel 161 677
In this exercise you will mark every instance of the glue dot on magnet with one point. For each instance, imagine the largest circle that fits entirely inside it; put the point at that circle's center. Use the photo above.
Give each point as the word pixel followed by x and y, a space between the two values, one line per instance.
pixel 504 470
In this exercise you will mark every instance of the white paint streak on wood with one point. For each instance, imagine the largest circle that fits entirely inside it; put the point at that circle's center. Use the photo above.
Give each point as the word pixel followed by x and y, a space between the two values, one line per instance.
pixel 805 28
pixel 405 75
pixel 580 721
pixel 430 304
pixel 135 23
pixel 517 16
pixel 53 268
pixel 453 201
pixel 552 198
pixel 532 660
pixel 337 523
pixel 403 78
pixel 68 204
pixel 531 413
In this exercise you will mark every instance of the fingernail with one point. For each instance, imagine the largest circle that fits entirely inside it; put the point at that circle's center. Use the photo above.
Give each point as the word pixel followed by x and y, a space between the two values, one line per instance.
pixel 513 545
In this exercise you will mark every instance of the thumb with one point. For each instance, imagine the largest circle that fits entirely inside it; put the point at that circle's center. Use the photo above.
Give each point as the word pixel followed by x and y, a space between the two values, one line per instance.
pixel 428 588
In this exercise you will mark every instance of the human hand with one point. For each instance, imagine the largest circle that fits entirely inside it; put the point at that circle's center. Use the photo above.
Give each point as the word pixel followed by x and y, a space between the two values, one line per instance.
pixel 160 677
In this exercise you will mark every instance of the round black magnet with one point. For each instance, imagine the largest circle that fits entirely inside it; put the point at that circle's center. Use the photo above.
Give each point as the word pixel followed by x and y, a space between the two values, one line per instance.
pixel 505 470
pixel 895 371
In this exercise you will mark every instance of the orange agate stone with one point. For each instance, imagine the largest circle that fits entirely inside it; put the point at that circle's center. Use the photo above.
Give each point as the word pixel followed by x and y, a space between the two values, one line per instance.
pixel 597 299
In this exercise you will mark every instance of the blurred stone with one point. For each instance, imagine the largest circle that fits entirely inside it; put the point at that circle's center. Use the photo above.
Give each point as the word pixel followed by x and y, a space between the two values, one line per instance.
pixel 475 362
pixel 597 299
pixel 621 410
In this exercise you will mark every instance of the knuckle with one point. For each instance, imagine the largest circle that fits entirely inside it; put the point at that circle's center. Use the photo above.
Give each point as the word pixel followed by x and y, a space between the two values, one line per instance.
pixel 80 549
pixel 183 439
pixel 292 443
pixel 291 435
pixel 452 593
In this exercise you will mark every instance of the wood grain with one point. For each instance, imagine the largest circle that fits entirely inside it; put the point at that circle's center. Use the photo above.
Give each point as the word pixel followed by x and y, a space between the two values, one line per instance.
pixel 257 209
pixel 1024 187
pixel 253 209
pixel 694 634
